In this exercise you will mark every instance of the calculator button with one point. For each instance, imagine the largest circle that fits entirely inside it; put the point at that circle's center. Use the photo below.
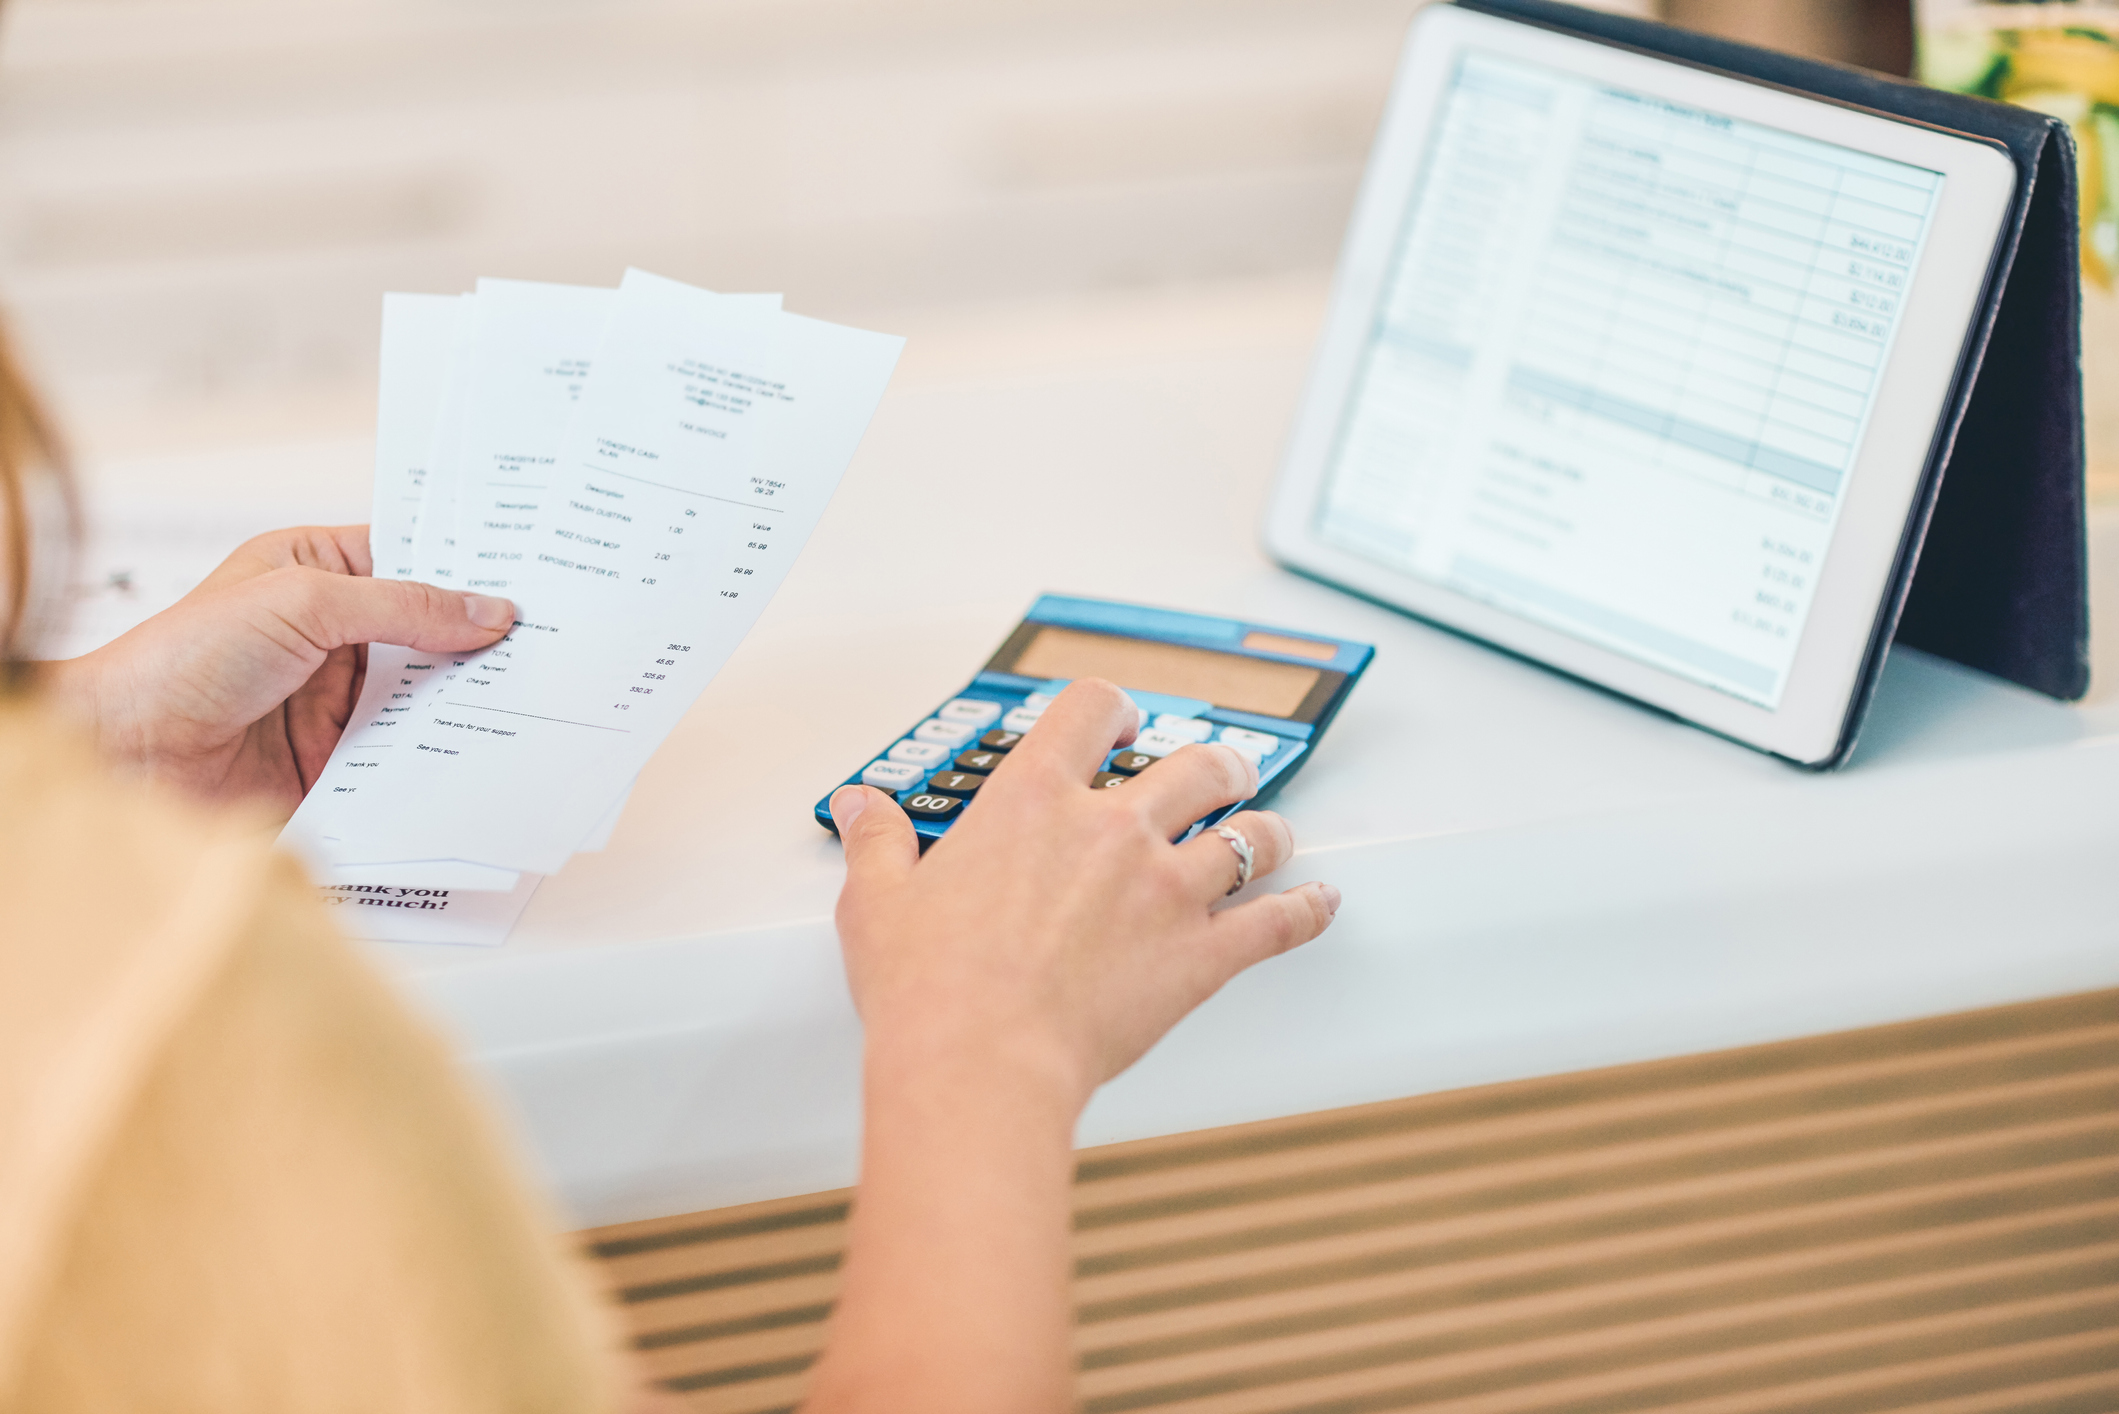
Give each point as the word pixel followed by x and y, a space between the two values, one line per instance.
pixel 1256 745
pixel 947 733
pixel 1127 763
pixel 928 806
pixel 892 776
pixel 1157 742
pixel 999 739
pixel 1104 780
pixel 925 754
pixel 971 710
pixel 1190 728
pixel 981 761
pixel 1039 701
pixel 955 782
pixel 1021 720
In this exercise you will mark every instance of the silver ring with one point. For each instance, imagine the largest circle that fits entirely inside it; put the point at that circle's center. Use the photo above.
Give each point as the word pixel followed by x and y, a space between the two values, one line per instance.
pixel 1245 855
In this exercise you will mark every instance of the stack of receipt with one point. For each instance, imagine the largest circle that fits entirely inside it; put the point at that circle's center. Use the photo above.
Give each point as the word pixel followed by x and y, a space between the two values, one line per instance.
pixel 636 469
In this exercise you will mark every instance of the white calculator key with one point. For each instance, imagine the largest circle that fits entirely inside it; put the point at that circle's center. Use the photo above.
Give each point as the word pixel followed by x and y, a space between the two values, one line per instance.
pixel 1157 742
pixel 919 753
pixel 972 710
pixel 1022 719
pixel 1256 745
pixel 1190 728
pixel 1039 701
pixel 892 776
pixel 947 733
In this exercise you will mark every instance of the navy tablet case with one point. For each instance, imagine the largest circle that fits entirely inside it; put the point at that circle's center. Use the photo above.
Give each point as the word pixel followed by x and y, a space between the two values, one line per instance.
pixel 1993 572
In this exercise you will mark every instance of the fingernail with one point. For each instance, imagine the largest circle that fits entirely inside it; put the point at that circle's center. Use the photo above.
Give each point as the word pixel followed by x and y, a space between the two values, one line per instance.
pixel 847 803
pixel 487 611
pixel 1330 896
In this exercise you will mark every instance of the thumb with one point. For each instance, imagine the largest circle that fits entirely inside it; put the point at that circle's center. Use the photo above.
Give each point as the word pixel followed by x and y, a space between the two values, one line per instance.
pixel 333 610
pixel 881 847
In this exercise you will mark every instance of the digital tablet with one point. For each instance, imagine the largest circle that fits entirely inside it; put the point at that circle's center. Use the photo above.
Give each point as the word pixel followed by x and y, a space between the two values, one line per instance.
pixel 1637 369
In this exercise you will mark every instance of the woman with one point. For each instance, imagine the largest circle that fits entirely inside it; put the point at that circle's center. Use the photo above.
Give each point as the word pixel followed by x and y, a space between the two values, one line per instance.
pixel 235 1175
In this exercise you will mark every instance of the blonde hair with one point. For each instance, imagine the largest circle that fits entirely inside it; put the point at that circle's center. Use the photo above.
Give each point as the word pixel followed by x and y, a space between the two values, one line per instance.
pixel 36 495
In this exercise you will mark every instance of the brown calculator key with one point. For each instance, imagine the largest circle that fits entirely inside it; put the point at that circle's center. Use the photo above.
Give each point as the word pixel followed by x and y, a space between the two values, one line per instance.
pixel 929 806
pixel 998 740
pixel 955 782
pixel 1104 780
pixel 1132 762
pixel 980 761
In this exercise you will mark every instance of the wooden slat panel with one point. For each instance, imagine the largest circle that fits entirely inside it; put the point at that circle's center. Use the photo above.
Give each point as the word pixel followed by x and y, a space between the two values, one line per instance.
pixel 1599 1294
pixel 1593 1293
pixel 784 1351
pixel 1783 1148
pixel 1917 1217
pixel 1698 1351
pixel 1762 1211
pixel 1690 1110
pixel 711 1315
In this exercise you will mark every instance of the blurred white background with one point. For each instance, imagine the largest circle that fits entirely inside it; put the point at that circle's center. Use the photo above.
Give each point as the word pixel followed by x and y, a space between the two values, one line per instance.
pixel 201 201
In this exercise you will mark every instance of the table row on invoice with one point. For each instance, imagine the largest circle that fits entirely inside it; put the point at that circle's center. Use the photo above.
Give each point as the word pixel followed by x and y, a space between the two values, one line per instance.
pixel 1700 281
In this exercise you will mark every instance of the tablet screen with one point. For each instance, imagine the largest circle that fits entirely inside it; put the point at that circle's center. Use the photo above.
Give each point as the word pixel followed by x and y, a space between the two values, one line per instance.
pixel 1621 367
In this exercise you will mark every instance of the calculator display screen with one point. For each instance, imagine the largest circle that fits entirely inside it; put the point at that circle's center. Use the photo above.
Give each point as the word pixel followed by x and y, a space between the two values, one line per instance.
pixel 1224 679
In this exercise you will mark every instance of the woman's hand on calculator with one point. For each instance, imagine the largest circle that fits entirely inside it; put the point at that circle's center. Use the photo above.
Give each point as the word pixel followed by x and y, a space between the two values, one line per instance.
pixel 1059 917
pixel 1035 951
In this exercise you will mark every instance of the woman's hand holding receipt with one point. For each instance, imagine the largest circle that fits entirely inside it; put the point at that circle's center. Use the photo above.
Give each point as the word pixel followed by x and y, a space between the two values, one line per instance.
pixel 241 688
pixel 1037 950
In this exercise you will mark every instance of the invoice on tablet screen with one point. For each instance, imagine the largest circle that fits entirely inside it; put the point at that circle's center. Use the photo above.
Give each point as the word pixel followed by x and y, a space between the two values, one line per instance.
pixel 1621 367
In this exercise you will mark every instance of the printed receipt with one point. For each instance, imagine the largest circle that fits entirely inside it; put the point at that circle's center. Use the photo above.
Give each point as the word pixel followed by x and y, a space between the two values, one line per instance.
pixel 702 451
pixel 420 333
pixel 527 365
pixel 479 388
pixel 502 370
pixel 415 913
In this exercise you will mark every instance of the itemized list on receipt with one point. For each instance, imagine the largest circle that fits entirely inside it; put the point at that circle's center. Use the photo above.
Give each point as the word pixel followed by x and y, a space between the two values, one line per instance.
pixel 637 473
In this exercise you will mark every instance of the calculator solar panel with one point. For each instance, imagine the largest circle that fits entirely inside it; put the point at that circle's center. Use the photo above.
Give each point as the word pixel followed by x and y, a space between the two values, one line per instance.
pixel 1267 692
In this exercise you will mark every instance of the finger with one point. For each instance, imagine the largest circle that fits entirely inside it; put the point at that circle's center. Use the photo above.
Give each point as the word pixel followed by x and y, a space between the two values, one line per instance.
pixel 881 845
pixel 341 549
pixel 1212 861
pixel 1083 723
pixel 334 610
pixel 350 543
pixel 1266 927
pixel 1190 782
pixel 318 710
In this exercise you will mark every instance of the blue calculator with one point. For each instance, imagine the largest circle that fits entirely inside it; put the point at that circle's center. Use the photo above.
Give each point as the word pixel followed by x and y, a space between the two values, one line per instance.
pixel 1268 692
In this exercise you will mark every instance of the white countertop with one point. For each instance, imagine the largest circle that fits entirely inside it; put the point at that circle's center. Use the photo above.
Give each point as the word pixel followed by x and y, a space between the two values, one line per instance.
pixel 1538 877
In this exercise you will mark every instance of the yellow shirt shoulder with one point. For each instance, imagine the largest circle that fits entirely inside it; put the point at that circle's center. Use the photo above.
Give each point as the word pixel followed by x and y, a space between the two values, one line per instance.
pixel 235 1173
